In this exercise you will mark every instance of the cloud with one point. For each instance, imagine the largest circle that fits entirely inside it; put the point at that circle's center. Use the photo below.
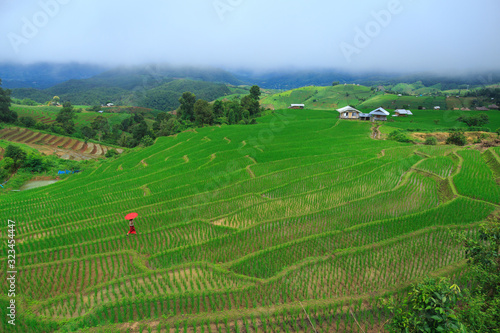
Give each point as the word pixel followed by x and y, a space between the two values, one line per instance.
pixel 390 35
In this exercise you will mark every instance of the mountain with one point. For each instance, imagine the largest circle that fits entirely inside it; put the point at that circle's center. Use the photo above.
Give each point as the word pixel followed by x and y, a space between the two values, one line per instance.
pixel 292 79
pixel 138 86
pixel 44 75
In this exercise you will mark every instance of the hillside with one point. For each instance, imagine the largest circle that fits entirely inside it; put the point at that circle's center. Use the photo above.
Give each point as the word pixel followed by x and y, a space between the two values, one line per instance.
pixel 300 220
pixel 320 98
pixel 136 86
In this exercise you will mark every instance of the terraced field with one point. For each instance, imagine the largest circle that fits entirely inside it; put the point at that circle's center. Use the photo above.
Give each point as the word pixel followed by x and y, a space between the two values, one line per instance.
pixel 298 224
pixel 65 147
pixel 48 114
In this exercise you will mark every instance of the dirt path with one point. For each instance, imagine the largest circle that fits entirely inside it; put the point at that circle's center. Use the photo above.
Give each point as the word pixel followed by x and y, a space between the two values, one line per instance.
pixel 376 135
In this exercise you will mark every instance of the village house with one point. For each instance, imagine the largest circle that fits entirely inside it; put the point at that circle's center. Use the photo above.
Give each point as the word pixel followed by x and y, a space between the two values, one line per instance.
pixel 402 113
pixel 437 108
pixel 297 106
pixel 349 112
pixel 493 107
pixel 364 116
pixel 482 108
pixel 379 114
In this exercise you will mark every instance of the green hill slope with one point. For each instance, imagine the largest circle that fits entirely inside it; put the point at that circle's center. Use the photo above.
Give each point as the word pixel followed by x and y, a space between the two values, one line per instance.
pixel 320 98
pixel 243 226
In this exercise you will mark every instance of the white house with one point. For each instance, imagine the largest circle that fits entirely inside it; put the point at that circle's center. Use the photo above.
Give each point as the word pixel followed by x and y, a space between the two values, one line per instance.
pixel 110 104
pixel 379 114
pixel 402 113
pixel 437 108
pixel 297 106
pixel 349 112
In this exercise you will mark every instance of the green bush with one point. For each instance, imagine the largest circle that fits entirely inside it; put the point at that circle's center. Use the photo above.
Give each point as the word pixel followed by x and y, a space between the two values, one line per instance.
pixel 429 307
pixel 457 138
pixel 111 153
pixel 431 141
pixel 399 136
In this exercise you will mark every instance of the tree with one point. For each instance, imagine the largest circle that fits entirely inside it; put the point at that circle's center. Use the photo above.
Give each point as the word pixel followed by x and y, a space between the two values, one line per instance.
pixel 187 106
pixel 101 126
pixel 140 131
pixel 498 131
pixel 27 121
pixel 6 114
pixel 255 92
pixel 251 105
pixel 457 138
pixel 476 120
pixel 169 127
pixel 65 118
pixel 429 307
pixel 203 113
pixel 88 133
pixel 17 154
pixel 336 83
pixel 218 108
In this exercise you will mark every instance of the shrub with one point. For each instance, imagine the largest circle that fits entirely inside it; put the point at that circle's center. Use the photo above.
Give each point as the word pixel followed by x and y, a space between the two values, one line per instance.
pixel 111 153
pixel 427 308
pixel 457 138
pixel 399 136
pixel 147 141
pixel 431 141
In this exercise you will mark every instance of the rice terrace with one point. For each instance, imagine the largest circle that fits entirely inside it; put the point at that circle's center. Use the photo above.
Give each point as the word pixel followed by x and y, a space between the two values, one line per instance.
pixel 301 223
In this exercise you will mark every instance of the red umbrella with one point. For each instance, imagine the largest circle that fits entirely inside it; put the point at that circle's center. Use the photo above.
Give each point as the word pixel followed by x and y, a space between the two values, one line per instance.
pixel 131 216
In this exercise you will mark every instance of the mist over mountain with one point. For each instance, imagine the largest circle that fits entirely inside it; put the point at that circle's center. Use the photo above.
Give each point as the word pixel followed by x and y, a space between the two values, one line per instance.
pixel 44 75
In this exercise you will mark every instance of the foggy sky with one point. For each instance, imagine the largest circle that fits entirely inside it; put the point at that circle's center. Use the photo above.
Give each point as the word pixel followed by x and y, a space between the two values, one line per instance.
pixel 387 35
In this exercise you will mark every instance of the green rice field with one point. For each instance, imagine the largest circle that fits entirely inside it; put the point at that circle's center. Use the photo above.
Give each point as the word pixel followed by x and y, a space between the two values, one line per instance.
pixel 301 223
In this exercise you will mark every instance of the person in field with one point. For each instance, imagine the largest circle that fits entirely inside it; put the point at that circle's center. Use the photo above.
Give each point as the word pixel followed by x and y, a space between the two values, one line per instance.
pixel 130 217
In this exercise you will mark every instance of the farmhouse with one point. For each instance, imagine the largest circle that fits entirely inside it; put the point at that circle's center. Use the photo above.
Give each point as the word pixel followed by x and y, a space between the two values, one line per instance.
pixel 349 112
pixel 482 108
pixel 379 114
pixel 297 106
pixel 493 107
pixel 437 108
pixel 402 113
pixel 364 116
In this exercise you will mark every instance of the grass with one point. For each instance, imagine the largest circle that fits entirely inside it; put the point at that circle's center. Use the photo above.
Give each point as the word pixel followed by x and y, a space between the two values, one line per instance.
pixel 441 121
pixel 327 222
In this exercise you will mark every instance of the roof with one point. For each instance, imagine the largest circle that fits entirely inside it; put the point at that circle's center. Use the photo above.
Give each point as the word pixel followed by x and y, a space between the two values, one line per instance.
pixel 403 111
pixel 298 105
pixel 347 109
pixel 482 108
pixel 364 115
pixel 380 112
pixel 493 106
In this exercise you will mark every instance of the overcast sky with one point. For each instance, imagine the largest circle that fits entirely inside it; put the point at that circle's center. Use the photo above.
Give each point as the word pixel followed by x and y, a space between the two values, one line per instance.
pixel 389 35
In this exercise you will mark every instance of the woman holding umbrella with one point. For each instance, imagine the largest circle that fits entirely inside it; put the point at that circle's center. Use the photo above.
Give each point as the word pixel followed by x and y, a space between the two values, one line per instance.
pixel 130 217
